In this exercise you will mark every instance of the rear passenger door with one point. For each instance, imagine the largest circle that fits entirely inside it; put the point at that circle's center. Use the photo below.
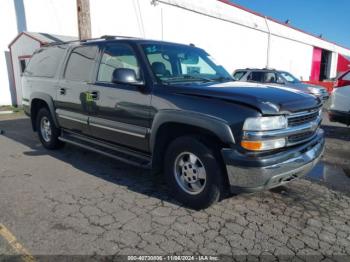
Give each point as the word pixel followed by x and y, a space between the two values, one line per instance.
pixel 72 99
pixel 120 112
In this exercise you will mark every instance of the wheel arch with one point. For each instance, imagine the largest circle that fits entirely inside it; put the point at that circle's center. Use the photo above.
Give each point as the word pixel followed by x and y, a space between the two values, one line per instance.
pixel 170 124
pixel 38 101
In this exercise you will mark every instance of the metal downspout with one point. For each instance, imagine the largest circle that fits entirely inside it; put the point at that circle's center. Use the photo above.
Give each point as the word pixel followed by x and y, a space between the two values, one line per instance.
pixel 268 44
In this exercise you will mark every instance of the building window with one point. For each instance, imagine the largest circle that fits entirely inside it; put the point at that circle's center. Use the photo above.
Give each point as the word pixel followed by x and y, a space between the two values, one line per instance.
pixel 22 64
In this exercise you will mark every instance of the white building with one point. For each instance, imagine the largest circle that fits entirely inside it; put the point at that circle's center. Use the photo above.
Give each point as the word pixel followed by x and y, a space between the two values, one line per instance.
pixel 236 37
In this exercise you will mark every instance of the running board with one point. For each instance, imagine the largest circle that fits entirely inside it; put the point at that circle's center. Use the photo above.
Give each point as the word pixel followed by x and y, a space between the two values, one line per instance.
pixel 127 156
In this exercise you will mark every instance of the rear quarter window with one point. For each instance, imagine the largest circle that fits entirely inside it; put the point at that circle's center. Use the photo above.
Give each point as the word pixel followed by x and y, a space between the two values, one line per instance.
pixel 45 61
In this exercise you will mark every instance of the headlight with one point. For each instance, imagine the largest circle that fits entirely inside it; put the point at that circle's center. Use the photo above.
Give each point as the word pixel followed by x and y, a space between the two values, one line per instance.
pixel 265 123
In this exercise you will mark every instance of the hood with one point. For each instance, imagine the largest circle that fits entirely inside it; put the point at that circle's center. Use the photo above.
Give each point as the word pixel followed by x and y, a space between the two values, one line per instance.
pixel 303 86
pixel 268 100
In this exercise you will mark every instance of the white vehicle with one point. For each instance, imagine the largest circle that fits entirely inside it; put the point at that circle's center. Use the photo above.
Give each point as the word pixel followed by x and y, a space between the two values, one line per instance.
pixel 339 110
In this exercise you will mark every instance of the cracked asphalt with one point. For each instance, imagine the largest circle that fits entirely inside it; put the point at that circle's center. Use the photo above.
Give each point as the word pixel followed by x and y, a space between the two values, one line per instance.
pixel 75 202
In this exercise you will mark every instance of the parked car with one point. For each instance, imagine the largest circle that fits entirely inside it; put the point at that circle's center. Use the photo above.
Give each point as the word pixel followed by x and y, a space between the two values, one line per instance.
pixel 342 80
pixel 339 109
pixel 169 107
pixel 280 78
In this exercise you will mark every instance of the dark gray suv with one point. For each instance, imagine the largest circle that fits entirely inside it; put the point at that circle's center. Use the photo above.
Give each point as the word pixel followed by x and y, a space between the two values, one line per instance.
pixel 169 107
pixel 279 78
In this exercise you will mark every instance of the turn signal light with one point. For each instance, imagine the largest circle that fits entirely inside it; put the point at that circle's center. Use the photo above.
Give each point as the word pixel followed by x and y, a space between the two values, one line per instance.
pixel 263 145
pixel 252 145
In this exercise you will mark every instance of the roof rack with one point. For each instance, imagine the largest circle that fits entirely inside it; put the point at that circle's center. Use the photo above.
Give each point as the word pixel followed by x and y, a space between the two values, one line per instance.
pixel 108 37
pixel 104 37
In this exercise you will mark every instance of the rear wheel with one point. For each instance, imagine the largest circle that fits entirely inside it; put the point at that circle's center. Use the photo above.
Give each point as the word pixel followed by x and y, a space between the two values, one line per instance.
pixel 193 173
pixel 47 131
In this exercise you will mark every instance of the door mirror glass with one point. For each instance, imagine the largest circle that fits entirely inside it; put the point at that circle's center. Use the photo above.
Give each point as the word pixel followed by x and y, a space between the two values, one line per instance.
pixel 125 76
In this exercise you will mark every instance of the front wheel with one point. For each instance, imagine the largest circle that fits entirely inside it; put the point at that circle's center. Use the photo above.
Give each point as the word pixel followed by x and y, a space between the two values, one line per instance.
pixel 193 173
pixel 47 131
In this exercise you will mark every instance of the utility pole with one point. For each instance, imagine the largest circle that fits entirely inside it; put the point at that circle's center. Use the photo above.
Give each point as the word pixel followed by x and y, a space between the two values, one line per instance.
pixel 84 22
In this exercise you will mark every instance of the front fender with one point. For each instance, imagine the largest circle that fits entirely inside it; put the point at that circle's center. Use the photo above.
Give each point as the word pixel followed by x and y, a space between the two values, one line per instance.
pixel 215 125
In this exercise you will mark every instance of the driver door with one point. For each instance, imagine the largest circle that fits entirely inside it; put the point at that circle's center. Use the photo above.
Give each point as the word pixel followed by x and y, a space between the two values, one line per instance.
pixel 120 113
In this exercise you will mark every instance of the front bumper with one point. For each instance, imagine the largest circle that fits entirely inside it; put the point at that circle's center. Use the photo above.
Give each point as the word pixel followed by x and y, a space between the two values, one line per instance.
pixel 250 174
pixel 339 116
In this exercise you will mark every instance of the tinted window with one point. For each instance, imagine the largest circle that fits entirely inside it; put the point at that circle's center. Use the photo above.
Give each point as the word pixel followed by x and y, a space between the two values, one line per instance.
pixel 45 61
pixel 239 74
pixel 256 76
pixel 289 77
pixel 270 77
pixel 80 64
pixel 117 56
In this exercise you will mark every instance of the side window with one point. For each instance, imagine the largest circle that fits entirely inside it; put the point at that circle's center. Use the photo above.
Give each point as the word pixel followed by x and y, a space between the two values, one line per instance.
pixel 117 56
pixel 80 64
pixel 45 61
pixel 238 75
pixel 270 77
pixel 256 76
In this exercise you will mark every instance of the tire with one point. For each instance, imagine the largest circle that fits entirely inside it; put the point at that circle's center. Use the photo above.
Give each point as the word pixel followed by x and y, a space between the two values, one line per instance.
pixel 48 141
pixel 184 159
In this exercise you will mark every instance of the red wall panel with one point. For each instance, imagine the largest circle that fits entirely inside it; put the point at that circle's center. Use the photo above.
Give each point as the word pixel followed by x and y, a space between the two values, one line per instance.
pixel 343 63
pixel 316 64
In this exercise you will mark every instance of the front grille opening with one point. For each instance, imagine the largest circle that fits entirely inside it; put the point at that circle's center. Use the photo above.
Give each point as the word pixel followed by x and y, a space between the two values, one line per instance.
pixel 303 119
pixel 300 137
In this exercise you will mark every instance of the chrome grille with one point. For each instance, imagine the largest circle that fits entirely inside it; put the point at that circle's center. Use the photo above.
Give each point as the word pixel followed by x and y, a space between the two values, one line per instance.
pixel 300 137
pixel 300 119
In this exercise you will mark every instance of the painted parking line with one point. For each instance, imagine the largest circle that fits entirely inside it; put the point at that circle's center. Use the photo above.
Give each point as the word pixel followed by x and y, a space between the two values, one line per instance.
pixel 11 239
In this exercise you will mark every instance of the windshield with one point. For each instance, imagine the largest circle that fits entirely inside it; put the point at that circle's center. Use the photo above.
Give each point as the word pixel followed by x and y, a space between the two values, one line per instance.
pixel 176 63
pixel 289 78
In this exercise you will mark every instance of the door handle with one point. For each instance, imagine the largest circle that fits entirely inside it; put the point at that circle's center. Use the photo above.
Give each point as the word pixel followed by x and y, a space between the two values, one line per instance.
pixel 62 91
pixel 94 95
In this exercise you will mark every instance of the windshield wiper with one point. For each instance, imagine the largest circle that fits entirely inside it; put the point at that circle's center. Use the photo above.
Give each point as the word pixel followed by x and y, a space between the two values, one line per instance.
pixel 199 78
pixel 223 79
pixel 188 77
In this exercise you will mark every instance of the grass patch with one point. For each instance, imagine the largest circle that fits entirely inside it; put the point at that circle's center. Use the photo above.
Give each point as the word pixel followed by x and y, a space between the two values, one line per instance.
pixel 15 109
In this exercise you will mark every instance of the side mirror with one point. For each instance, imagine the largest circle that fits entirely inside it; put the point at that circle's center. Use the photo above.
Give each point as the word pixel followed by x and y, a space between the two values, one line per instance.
pixel 125 76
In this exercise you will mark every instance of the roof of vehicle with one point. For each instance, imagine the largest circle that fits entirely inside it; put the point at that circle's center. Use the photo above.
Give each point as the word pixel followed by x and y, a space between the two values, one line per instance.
pixel 109 38
pixel 260 70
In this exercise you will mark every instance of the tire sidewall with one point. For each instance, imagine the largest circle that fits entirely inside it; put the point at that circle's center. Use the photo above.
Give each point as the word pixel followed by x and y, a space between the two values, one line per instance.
pixel 54 142
pixel 213 188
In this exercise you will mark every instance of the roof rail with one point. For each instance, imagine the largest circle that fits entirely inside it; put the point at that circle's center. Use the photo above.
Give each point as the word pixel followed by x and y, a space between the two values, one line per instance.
pixel 108 37
pixel 104 37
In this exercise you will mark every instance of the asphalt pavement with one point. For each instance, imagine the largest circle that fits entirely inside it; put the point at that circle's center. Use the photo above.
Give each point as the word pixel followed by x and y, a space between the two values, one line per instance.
pixel 75 202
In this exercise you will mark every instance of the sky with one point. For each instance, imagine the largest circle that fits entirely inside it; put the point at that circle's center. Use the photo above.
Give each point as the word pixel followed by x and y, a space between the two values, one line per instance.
pixel 331 18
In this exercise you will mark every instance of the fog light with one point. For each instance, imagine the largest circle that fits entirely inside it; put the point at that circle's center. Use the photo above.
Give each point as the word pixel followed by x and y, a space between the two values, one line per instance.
pixel 263 145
